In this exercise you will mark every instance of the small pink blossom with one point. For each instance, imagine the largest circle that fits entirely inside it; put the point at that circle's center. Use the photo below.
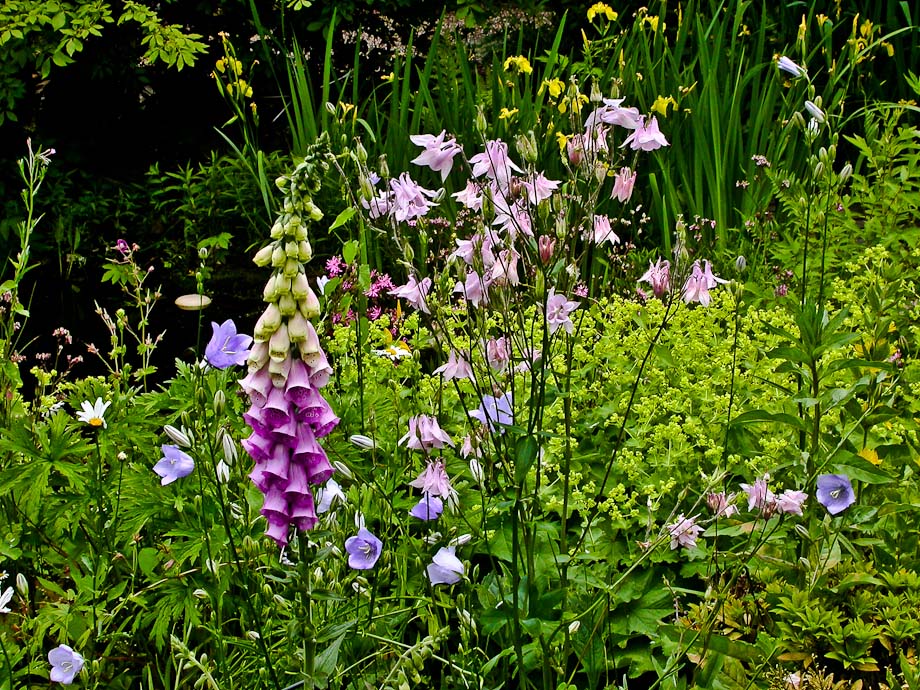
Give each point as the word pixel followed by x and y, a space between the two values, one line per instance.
pixel 613 113
pixel 684 532
pixel 558 308
pixel 540 188
pixel 434 481
pixel 658 276
pixel 721 504
pixel 504 270
pixel 498 353
pixel 455 368
pixel 494 163
pixel 700 282
pixel 790 501
pixel 601 231
pixel 475 289
pixel 759 495
pixel 470 196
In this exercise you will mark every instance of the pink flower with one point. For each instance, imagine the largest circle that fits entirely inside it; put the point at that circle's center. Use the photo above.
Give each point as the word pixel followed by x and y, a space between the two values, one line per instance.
pixel 498 354
pixel 425 434
pixel 414 293
pixel 790 501
pixel 540 189
pixel 504 270
pixel 658 276
pixel 601 232
pixel 470 196
pixel 623 185
pixel 759 496
pixel 475 289
pixel 613 114
pixel 456 368
pixel 700 282
pixel 410 200
pixel 647 137
pixel 546 245
pixel 438 154
pixel 434 481
pixel 721 504
pixel 684 532
pixel 494 163
pixel 558 308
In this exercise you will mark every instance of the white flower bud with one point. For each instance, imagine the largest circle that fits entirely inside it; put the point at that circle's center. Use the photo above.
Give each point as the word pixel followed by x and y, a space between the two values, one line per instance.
pixel 22 585
pixel 304 251
pixel 263 257
pixel 277 231
pixel 180 437
pixel 278 257
pixel 574 626
pixel 200 594
pixel 279 347
pixel 258 355
pixel 223 472
pixel 297 328
pixel 300 286
pixel 461 540
pixel 287 305
pixel 309 305
pixel 361 441
pixel 229 448
pixel 291 268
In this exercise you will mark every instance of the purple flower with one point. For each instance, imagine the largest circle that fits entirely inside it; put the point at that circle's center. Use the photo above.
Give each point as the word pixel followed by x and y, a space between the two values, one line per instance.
pixel 721 504
pixel 438 154
pixel 173 465
pixel 495 163
pixel 65 664
pixel 684 532
pixel 558 308
pixel 122 247
pixel 227 348
pixel 700 282
pixel 789 66
pixel 835 492
pixel 494 411
pixel 623 185
pixel 429 508
pixel 759 496
pixel 424 434
pixel 363 550
pixel 445 568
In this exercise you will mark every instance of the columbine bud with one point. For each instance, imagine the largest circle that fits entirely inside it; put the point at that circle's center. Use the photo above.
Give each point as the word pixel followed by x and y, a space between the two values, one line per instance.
pixel 365 187
pixel 361 153
pixel 263 257
pixel 180 437
pixel 481 124
pixel 546 246
pixel 527 147
pixel 596 95
pixel 384 168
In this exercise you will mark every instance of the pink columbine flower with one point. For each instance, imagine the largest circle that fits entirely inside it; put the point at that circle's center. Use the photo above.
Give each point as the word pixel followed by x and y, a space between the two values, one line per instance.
pixel 410 200
pixel 504 270
pixel 495 163
pixel 658 276
pixel 790 501
pixel 438 154
pixel 475 290
pixel 498 353
pixel 684 532
pixel 414 292
pixel 540 188
pixel 721 504
pixel 601 231
pixel 623 185
pixel 470 196
pixel 434 481
pixel 613 113
pixel 759 495
pixel 558 308
pixel 700 282
pixel 425 434
pixel 646 138
pixel 455 368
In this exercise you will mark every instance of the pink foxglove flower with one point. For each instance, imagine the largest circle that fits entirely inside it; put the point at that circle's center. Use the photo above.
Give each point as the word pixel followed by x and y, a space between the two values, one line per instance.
pixel 438 154
pixel 414 292
pixel 646 138
pixel 425 434
pixel 558 308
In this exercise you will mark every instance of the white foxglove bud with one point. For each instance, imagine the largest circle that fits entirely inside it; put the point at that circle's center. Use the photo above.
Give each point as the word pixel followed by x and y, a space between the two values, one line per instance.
pixel 278 257
pixel 277 231
pixel 268 323
pixel 279 370
pixel 290 249
pixel 300 286
pixel 279 347
pixel 291 268
pixel 304 251
pixel 268 292
pixel 258 355
pixel 263 257
pixel 287 305
pixel 297 328
pixel 309 305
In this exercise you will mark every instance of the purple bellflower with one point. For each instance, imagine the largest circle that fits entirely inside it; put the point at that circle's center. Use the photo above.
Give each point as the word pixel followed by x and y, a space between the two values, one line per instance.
pixel 835 492
pixel 495 410
pixel 65 664
pixel 429 508
pixel 173 465
pixel 363 550
pixel 445 568
pixel 227 348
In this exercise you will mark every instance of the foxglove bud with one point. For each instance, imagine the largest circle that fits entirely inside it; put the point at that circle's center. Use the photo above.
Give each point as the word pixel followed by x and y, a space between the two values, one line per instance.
pixel 304 251
pixel 279 347
pixel 299 286
pixel 268 292
pixel 264 256
pixel 297 328
pixel 279 370
pixel 301 233
pixel 268 323
pixel 258 356
pixel 278 256
pixel 290 249
pixel 291 268
pixel 287 305
pixel 277 231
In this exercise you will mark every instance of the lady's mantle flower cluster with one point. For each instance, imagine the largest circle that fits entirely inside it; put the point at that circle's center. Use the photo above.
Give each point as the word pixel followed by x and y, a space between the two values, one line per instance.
pixel 287 368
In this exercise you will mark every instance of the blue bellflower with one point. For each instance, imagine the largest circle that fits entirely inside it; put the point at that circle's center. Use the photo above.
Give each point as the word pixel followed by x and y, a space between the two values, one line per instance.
pixel 835 492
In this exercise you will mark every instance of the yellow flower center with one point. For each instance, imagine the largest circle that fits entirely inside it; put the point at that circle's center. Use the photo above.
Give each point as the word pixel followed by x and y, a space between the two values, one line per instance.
pixel 96 421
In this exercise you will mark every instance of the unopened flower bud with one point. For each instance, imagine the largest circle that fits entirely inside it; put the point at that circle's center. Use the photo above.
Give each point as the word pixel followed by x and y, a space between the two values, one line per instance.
pixel 740 264
pixel 300 286
pixel 287 305
pixel 383 167
pixel 223 472
pixel 343 468
pixel 546 246
pixel 179 437
pixel 362 441
pixel 268 323
pixel 574 626
pixel 200 594
pixel 220 402
pixel 277 231
pixel 290 249
pixel 22 585
pixel 268 292
pixel 278 256
pixel 526 146
pixel 304 251
pixel 330 108
pixel 309 305
pixel 815 111
pixel 481 124
pixel 365 187
pixel 461 540
pixel 846 172
pixel 263 257
pixel 596 95
pixel 477 471
pixel 361 153
pixel 258 355
pixel 279 346
pixel 297 328
pixel 291 268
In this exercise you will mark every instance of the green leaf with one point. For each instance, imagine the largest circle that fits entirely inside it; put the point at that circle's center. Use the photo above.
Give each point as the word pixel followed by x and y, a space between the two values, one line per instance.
pixel 527 449
pixel 58 21
pixel 343 218
pixel 862 470
pixel 349 250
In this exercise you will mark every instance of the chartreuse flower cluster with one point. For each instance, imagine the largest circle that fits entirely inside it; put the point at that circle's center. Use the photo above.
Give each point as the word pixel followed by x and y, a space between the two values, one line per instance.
pixel 287 367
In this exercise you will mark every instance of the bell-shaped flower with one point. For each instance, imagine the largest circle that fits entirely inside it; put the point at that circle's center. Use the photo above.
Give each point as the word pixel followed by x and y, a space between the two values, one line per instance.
pixel 227 348
pixel 174 465
pixel 429 508
pixel 445 568
pixel 495 411
pixel 363 550
pixel 425 434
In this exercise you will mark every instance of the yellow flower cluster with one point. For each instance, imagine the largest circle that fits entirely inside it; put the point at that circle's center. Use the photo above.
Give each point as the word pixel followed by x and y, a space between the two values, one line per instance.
pixel 601 9
pixel 519 63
